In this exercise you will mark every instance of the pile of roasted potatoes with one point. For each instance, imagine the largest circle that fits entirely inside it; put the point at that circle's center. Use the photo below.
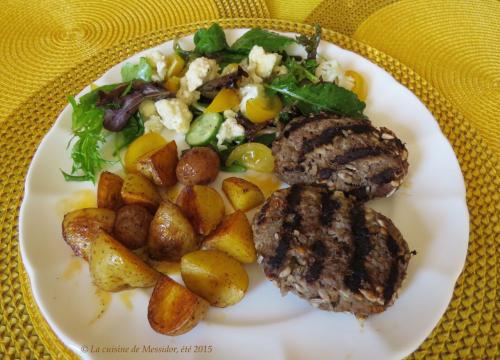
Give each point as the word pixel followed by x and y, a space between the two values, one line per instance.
pixel 135 227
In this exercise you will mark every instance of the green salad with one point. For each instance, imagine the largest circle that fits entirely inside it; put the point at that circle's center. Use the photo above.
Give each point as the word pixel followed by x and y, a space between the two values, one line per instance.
pixel 216 95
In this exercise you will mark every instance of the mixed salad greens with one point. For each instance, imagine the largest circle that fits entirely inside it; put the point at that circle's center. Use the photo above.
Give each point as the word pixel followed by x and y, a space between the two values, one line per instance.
pixel 240 93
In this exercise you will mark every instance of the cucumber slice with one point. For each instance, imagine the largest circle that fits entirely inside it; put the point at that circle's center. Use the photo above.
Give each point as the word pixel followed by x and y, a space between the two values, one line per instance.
pixel 204 129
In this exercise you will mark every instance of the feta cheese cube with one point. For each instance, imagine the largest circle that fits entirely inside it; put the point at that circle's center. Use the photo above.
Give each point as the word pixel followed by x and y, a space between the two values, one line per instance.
pixel 330 71
pixel 174 114
pixel 200 71
pixel 185 95
pixel 157 59
pixel 262 62
pixel 229 129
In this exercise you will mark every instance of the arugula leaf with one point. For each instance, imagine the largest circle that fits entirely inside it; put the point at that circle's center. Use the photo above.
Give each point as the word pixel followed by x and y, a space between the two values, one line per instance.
pixel 87 127
pixel 311 43
pixel 299 71
pixel 211 40
pixel 324 96
pixel 266 139
pixel 134 129
pixel 142 71
pixel 270 41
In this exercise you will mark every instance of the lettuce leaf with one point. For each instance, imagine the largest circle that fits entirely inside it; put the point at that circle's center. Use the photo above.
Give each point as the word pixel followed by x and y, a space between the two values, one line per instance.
pixel 140 71
pixel 211 40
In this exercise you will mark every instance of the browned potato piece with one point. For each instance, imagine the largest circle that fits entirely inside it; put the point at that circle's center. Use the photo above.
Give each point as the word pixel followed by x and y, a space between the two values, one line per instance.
pixel 79 227
pixel 242 194
pixel 174 310
pixel 132 226
pixel 109 191
pixel 199 165
pixel 113 267
pixel 170 234
pixel 214 276
pixel 140 191
pixel 159 165
pixel 203 206
pixel 233 236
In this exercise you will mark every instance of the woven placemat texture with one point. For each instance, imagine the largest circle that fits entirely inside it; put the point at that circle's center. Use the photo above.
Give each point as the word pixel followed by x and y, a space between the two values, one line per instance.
pixel 40 40
pixel 469 328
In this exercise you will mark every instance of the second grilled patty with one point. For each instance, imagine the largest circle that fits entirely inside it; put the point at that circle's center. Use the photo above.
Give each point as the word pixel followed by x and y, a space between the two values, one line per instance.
pixel 331 250
pixel 345 154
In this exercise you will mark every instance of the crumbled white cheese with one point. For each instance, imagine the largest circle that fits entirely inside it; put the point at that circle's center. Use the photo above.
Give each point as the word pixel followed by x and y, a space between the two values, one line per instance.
pixel 185 95
pixel 157 59
pixel 200 71
pixel 229 129
pixel 262 62
pixel 330 71
pixel 153 124
pixel 175 114
pixel 249 92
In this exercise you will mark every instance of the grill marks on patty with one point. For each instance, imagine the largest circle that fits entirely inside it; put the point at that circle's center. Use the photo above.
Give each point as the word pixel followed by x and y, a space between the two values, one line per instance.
pixel 330 249
pixel 319 251
pixel 390 284
pixel 350 155
pixel 291 222
pixel 362 247
pixel 327 136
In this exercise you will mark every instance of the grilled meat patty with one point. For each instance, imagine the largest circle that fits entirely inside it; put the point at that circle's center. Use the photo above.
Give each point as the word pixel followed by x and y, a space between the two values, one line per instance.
pixel 345 154
pixel 330 250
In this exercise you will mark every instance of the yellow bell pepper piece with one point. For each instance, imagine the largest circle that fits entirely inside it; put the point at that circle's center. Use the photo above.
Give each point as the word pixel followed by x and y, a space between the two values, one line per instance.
pixel 263 108
pixel 359 87
pixel 175 65
pixel 224 100
pixel 172 84
pixel 141 146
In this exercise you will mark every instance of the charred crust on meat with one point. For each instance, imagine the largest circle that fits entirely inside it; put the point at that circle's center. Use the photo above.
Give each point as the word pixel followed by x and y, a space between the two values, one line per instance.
pixel 327 136
pixel 328 208
pixel 320 253
pixel 385 176
pixel 291 222
pixel 356 154
pixel 303 121
pixel 362 247
pixel 393 277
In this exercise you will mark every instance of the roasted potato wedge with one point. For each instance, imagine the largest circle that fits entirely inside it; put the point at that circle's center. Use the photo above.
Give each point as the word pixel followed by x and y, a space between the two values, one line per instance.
pixel 203 206
pixel 140 191
pixel 233 236
pixel 159 165
pixel 113 267
pixel 79 227
pixel 215 276
pixel 132 226
pixel 109 191
pixel 174 310
pixel 242 194
pixel 170 234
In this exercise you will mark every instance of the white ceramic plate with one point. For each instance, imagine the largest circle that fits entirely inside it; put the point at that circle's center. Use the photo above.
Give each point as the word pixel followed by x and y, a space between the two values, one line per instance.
pixel 430 210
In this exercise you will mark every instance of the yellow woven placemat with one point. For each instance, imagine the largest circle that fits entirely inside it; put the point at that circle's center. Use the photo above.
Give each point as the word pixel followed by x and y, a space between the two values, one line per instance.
pixel 469 328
